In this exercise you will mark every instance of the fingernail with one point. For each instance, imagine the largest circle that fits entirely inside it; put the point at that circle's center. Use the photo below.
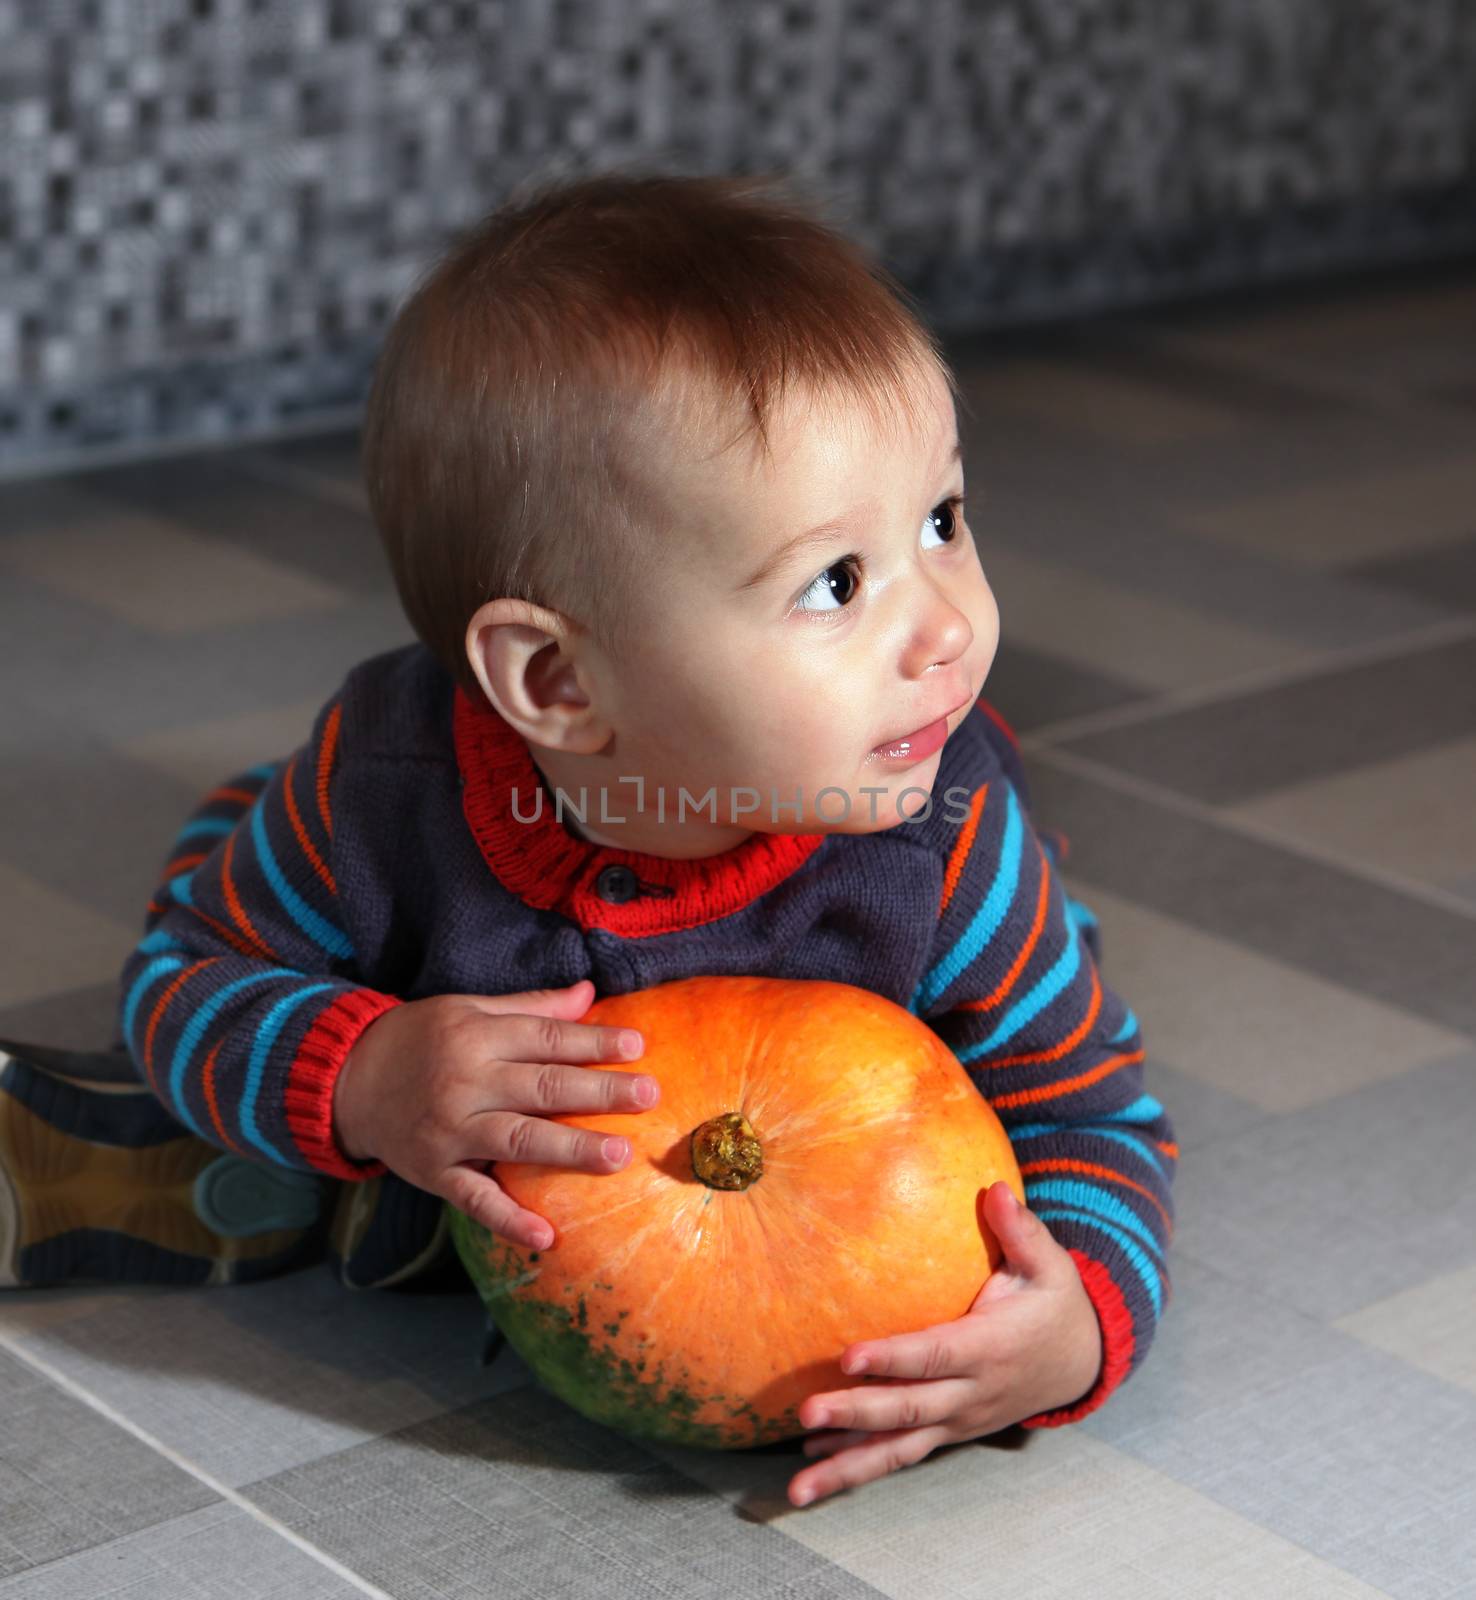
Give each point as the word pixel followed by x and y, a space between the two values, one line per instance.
pixel 630 1043
pixel 614 1149
pixel 645 1091
pixel 857 1364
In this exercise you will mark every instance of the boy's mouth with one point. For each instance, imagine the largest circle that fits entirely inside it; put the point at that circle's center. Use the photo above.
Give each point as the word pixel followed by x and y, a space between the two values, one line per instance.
pixel 907 749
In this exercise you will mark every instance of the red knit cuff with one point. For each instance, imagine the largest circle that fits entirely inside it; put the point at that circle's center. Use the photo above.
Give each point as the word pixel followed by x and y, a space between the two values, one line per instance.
pixel 1116 1323
pixel 319 1060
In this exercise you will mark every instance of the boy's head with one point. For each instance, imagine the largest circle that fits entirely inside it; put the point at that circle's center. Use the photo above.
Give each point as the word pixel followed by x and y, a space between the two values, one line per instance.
pixel 592 430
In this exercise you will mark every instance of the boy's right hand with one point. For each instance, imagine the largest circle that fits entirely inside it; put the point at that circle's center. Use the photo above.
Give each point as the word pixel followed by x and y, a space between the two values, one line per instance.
pixel 440 1087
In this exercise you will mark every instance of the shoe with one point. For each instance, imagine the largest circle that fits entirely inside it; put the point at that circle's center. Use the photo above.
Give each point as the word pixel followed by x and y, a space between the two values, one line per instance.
pixel 386 1233
pixel 99 1184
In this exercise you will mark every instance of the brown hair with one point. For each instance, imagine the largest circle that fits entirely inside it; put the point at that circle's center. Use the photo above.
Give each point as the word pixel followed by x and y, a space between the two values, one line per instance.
pixel 529 386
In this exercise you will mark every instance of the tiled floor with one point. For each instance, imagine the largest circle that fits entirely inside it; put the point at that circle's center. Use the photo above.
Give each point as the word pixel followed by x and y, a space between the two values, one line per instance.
pixel 1234 549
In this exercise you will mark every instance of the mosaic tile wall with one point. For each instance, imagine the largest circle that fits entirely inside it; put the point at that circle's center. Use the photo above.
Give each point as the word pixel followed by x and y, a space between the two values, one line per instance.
pixel 209 209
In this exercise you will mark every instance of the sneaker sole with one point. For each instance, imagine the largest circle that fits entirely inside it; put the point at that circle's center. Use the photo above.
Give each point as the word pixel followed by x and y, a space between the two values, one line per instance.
pixel 98 1184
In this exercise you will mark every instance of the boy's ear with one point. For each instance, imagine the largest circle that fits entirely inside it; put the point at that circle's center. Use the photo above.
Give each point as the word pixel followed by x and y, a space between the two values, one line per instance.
pixel 522 657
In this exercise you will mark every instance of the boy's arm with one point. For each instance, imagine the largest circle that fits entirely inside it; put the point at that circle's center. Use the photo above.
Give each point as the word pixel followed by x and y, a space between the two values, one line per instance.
pixel 1012 986
pixel 240 1003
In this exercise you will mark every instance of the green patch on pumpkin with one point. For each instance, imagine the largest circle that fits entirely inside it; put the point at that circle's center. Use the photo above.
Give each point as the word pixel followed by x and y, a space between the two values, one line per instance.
pixel 593 1377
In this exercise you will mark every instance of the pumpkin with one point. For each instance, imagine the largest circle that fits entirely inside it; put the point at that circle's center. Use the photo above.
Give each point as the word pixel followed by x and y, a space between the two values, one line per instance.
pixel 812 1175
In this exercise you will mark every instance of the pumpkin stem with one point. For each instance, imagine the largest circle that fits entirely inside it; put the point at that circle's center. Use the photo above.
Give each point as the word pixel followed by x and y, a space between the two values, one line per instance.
pixel 726 1153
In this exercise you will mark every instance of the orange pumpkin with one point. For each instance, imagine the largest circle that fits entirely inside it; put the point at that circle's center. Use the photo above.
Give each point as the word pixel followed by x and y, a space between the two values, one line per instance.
pixel 812 1175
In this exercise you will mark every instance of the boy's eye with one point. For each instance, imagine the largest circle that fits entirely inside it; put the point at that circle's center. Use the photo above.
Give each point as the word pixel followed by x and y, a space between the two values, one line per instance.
pixel 947 524
pixel 837 585
pixel 833 588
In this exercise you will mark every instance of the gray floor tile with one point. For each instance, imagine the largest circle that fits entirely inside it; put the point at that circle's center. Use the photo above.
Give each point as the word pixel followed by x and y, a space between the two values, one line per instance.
pixel 72 1480
pixel 1284 906
pixel 1343 1449
pixel 1445 575
pixel 247 1380
pixel 520 1496
pixel 1414 817
pixel 1118 538
pixel 334 455
pixel 1313 727
pixel 126 683
pixel 115 567
pixel 1297 1039
pixel 206 493
pixel 1318 1209
pixel 217 1553
pixel 80 1019
pixel 1030 688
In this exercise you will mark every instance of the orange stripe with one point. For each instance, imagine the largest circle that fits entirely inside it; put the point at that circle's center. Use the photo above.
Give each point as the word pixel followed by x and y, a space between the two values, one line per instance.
pixel 961 846
pixel 1168 1147
pixel 1065 1086
pixel 307 844
pixel 1008 981
pixel 233 900
pixel 1092 1170
pixel 232 938
pixel 181 864
pixel 208 1075
pixel 325 764
pixel 1056 1051
pixel 180 979
pixel 998 721
pixel 243 796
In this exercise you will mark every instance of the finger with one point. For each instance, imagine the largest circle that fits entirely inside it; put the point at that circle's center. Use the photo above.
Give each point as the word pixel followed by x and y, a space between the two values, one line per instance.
pixel 536 1141
pixel 864 1462
pixel 826 1444
pixel 489 1205
pixel 949 1350
pixel 521 1037
pixel 572 1000
pixel 550 1086
pixel 890 1406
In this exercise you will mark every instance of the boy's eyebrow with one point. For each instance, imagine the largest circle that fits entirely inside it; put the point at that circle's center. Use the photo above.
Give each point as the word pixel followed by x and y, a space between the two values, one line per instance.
pixel 822 534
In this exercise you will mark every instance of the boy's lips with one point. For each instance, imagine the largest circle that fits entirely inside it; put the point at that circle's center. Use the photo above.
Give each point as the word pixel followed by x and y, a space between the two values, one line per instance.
pixel 917 745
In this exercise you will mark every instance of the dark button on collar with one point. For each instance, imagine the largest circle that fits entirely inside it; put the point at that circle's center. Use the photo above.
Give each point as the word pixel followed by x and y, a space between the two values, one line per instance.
pixel 617 884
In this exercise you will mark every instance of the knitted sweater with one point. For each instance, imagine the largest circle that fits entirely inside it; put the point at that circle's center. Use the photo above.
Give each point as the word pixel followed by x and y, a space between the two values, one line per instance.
pixel 382 861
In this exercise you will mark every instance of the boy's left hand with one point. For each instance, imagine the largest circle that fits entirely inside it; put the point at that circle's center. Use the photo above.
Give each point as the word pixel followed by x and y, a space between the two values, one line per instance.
pixel 1029 1343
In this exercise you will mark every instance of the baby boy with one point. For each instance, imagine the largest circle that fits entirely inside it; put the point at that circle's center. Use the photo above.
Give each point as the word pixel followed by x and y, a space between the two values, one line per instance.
pixel 670 481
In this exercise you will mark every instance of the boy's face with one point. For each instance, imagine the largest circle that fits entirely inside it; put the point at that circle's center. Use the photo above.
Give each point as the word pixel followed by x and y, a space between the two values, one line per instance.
pixel 782 668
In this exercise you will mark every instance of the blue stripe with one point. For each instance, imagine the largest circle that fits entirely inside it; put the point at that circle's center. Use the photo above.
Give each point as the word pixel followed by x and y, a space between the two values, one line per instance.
pixel 1080 913
pixel 266 1037
pixel 155 969
pixel 206 825
pixel 986 920
pixel 1145 1269
pixel 159 939
pixel 191 1034
pixel 1144 1109
pixel 318 929
pixel 1100 1201
pixel 179 887
pixel 1068 963
pixel 1139 1146
pixel 1127 1030
pixel 266 769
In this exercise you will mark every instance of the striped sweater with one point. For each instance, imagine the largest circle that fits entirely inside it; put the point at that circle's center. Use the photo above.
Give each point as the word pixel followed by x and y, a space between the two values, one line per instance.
pixel 392 856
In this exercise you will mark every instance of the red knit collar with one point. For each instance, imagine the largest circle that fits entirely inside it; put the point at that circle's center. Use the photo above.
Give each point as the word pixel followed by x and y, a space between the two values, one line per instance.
pixel 547 866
